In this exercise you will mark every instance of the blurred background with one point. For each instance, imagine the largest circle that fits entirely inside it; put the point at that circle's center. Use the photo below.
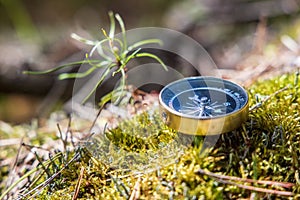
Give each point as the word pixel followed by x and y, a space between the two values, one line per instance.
pixel 35 35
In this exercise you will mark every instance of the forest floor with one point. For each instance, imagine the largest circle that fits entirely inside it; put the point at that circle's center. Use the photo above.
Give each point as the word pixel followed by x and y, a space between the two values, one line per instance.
pixel 59 157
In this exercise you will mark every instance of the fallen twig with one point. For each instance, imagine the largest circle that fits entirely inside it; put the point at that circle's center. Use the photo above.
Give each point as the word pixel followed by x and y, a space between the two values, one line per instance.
pixel 258 189
pixel 224 179
pixel 97 116
pixel 136 191
pixel 9 142
pixel 259 104
pixel 77 187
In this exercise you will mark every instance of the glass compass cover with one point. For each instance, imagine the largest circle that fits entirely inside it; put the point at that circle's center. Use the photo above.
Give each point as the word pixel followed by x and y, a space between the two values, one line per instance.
pixel 203 97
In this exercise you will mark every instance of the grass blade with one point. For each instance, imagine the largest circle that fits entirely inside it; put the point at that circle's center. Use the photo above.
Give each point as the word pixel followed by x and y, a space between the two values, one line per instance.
pixel 103 76
pixel 123 30
pixel 150 55
pixel 112 25
pixel 60 67
pixel 106 98
pixel 46 71
pixel 29 173
pixel 76 75
pixel 144 42
pixel 120 90
pixel 131 56
pixel 83 40
pixel 98 46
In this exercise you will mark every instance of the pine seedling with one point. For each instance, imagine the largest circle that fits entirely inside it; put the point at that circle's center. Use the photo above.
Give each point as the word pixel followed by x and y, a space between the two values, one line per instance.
pixel 114 55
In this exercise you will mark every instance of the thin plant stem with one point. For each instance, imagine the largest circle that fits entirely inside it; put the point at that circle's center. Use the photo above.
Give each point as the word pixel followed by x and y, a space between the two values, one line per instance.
pixel 224 179
pixel 77 187
pixel 29 173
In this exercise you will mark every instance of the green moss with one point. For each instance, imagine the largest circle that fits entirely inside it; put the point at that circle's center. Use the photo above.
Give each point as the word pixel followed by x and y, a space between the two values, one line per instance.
pixel 125 159
pixel 142 133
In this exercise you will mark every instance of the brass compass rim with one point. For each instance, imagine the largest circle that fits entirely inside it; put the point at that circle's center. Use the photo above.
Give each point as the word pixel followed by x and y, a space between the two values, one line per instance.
pixel 204 125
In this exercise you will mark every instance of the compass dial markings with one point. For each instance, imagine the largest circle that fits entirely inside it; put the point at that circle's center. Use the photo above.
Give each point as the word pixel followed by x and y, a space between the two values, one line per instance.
pixel 200 105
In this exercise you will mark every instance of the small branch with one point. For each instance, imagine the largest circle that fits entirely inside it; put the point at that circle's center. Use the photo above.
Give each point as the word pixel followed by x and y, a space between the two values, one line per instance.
pixel 30 147
pixel 14 165
pixel 61 137
pixel 97 116
pixel 68 131
pixel 257 189
pixel 280 184
pixel 220 178
pixel 18 154
pixel 77 187
pixel 9 142
pixel 136 192
pixel 259 104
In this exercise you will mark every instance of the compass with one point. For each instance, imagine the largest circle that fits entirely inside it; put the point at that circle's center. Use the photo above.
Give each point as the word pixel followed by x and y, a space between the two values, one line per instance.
pixel 203 105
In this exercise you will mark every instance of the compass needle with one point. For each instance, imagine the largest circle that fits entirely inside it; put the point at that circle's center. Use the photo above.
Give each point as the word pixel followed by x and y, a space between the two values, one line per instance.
pixel 214 103
pixel 189 107
pixel 190 104
pixel 189 112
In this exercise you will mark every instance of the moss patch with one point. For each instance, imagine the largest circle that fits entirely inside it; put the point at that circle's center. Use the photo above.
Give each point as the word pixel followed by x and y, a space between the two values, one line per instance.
pixel 260 159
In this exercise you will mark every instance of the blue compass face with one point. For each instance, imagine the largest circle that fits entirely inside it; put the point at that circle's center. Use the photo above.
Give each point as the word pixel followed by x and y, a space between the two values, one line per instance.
pixel 197 97
pixel 204 102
